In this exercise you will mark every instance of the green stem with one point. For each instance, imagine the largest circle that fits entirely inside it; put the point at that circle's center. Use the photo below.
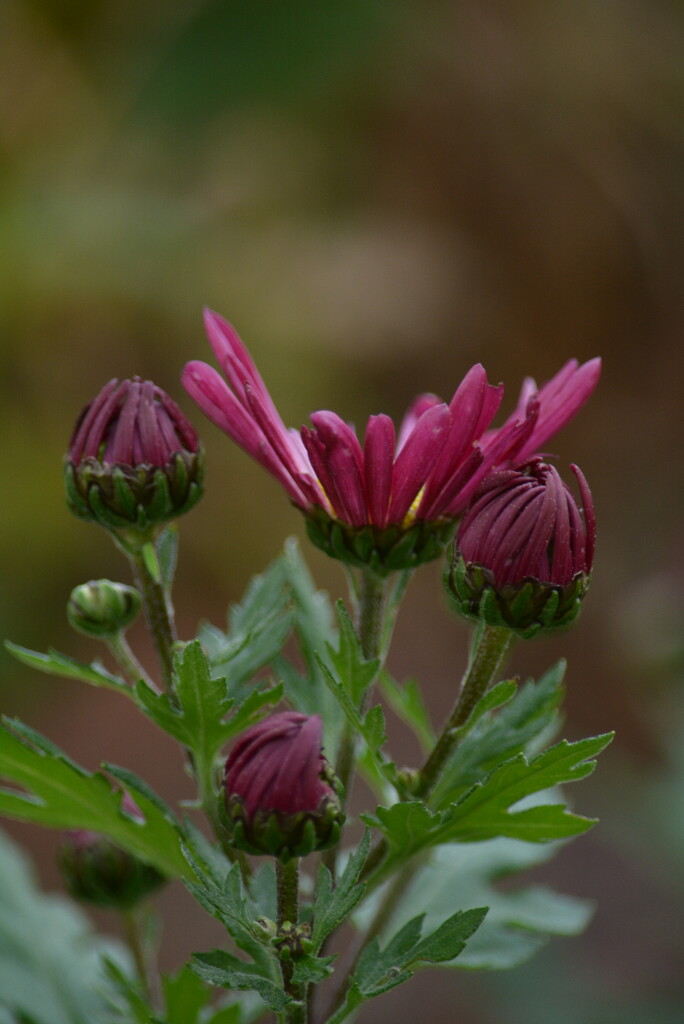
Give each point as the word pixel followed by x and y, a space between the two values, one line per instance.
pixel 490 646
pixel 287 882
pixel 489 649
pixel 127 660
pixel 158 610
pixel 142 955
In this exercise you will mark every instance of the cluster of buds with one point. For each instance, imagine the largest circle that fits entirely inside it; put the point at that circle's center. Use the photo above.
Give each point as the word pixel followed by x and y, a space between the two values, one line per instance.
pixel 134 460
pixel 280 792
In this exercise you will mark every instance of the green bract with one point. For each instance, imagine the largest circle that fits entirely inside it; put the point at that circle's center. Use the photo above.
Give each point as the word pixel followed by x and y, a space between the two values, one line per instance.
pixel 525 608
pixel 390 549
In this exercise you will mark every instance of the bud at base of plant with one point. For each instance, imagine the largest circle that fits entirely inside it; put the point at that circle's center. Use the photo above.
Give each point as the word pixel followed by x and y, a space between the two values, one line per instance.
pixel 102 608
pixel 526 607
pixel 98 871
pixel 385 550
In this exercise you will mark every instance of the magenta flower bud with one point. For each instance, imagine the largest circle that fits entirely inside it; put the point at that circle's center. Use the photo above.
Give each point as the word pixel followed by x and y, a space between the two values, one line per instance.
pixel 391 502
pixel 524 551
pixel 279 788
pixel 134 460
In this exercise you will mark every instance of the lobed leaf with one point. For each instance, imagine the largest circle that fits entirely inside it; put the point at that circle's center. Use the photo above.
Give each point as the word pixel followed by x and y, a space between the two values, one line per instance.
pixel 58 793
pixel 56 664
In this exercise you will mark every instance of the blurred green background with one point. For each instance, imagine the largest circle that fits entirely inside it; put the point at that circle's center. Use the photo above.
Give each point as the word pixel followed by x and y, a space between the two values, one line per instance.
pixel 377 193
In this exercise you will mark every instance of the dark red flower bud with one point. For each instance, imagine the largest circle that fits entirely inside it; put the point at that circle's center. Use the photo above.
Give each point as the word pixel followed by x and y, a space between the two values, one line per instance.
pixel 524 551
pixel 134 460
pixel 279 788
pixel 98 871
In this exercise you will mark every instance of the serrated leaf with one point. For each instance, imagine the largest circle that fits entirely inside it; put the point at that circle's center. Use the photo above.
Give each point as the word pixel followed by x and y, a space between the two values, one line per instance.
pixel 196 716
pixel 371 728
pixel 333 906
pixel 495 734
pixel 58 793
pixel 310 970
pixel 355 672
pixel 487 810
pixel 225 971
pixel 56 664
pixel 136 1009
pixel 519 921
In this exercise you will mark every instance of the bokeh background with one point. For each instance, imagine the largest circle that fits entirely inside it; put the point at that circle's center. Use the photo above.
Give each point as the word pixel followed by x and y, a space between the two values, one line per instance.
pixel 378 193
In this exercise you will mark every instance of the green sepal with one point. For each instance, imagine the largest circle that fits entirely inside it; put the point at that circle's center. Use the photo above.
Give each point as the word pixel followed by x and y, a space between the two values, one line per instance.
pixel 134 498
pixel 526 608
pixel 284 836
pixel 390 549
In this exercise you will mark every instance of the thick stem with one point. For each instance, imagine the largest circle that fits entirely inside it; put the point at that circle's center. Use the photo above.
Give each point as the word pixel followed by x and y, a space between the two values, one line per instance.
pixel 158 611
pixel 490 646
pixel 287 881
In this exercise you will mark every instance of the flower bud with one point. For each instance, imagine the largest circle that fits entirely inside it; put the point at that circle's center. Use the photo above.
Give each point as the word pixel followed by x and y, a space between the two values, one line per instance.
pixel 98 871
pixel 524 551
pixel 134 460
pixel 279 789
pixel 102 608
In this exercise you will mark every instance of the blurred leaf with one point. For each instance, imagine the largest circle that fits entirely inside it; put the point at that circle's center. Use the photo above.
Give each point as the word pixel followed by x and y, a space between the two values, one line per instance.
pixel 519 921
pixel 226 971
pixel 57 664
pixel 355 672
pixel 58 793
pixel 407 701
pixel 51 963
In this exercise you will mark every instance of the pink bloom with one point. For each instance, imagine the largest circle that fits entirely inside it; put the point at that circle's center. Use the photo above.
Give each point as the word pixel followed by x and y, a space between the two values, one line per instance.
pixel 427 474
pixel 277 765
pixel 528 526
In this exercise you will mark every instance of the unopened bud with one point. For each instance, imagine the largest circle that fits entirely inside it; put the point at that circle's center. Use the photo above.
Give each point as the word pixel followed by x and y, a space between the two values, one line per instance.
pixel 103 608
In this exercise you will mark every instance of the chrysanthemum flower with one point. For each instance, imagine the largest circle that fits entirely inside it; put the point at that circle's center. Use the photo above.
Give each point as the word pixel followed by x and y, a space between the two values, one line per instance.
pixel 279 797
pixel 524 550
pixel 391 502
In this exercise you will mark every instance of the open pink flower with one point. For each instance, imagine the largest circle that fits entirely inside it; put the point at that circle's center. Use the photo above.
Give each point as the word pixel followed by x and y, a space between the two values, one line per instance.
pixel 428 473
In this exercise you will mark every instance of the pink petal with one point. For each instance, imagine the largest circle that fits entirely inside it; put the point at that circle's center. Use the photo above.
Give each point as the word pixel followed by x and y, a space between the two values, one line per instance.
pixel 335 451
pixel 378 458
pixel 417 458
pixel 559 400
pixel 589 516
pixel 418 407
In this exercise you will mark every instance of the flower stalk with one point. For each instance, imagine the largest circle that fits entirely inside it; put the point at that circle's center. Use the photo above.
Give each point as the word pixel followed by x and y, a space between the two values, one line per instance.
pixel 157 607
pixel 287 887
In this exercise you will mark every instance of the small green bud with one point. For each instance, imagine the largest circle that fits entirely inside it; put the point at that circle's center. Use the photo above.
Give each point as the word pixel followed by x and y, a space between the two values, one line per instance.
pixel 102 608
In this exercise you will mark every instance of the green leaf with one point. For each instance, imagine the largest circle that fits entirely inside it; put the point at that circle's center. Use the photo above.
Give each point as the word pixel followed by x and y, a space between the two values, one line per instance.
pixel 226 971
pixel 167 552
pixel 258 628
pixel 496 733
pixel 333 906
pixel 380 969
pixel 487 811
pixel 58 793
pixel 371 729
pixel 135 1009
pixel 519 920
pixel 353 670
pixel 195 716
pixel 220 891
pixel 407 701
pixel 184 997
pixel 56 664
pixel 310 970
pixel 51 962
